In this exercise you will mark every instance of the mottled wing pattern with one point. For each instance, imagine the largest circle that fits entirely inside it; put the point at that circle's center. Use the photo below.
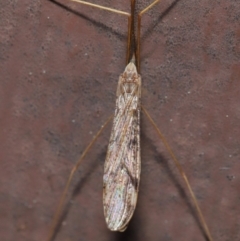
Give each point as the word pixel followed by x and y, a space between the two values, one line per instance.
pixel 122 166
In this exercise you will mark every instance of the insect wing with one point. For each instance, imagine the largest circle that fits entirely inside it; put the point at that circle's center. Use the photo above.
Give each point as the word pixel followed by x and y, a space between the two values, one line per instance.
pixel 122 166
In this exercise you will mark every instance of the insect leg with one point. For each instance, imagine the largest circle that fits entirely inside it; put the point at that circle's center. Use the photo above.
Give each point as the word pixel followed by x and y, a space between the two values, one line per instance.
pixel 180 169
pixel 58 212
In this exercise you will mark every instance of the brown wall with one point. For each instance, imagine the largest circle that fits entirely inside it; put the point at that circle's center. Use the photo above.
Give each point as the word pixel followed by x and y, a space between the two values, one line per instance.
pixel 59 66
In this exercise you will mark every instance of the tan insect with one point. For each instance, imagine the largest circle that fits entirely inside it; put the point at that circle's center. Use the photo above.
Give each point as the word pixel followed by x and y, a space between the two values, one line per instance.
pixel 122 166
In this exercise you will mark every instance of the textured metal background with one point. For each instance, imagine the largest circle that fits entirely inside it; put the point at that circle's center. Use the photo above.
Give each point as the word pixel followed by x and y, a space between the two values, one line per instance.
pixel 59 66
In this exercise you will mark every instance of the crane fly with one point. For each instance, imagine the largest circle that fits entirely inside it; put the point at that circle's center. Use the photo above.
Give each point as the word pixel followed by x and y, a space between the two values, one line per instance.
pixel 122 165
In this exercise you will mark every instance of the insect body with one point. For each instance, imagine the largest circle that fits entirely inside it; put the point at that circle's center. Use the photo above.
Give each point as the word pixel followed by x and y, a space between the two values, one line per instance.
pixel 122 166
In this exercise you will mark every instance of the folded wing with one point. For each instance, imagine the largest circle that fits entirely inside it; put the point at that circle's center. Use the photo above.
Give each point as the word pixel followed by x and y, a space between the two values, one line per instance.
pixel 122 165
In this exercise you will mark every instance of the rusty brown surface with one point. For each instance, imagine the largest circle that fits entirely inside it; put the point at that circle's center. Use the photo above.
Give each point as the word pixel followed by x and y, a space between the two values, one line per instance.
pixel 59 68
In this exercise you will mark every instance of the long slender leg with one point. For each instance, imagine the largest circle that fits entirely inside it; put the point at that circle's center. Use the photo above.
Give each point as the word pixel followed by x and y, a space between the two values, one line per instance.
pixel 180 169
pixel 102 7
pixel 58 212
pixel 139 30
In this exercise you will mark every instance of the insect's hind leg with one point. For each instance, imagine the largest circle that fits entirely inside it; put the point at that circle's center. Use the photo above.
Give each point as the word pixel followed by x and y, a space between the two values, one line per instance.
pixel 58 213
pixel 180 169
